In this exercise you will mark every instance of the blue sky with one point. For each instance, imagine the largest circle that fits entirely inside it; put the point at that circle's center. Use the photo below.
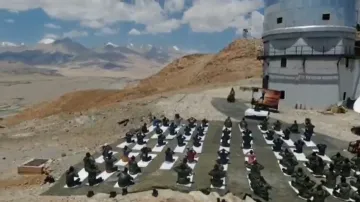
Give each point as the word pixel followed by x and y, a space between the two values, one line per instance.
pixel 200 25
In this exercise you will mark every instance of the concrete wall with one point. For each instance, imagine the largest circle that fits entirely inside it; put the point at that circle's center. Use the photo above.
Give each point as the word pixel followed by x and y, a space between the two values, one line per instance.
pixel 314 83
pixel 356 80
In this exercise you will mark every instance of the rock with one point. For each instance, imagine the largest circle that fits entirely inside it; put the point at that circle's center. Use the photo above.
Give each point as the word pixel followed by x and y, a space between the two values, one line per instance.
pixel 63 154
pixel 2 126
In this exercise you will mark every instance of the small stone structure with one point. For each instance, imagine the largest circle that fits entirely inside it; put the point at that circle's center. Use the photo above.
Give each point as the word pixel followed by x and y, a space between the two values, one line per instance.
pixel 33 166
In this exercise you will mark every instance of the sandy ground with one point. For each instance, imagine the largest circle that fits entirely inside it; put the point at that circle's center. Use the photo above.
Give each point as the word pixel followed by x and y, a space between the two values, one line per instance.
pixel 18 91
pixel 66 138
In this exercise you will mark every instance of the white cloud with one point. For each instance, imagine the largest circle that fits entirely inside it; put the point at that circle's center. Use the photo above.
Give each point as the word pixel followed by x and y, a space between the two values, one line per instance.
pixel 10 21
pixel 51 36
pixel 52 26
pixel 75 34
pixel 202 16
pixel 106 31
pixel 219 15
pixel 134 31
pixel 174 6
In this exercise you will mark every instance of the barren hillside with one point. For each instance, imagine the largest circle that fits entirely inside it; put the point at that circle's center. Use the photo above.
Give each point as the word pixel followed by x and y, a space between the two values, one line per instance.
pixel 235 62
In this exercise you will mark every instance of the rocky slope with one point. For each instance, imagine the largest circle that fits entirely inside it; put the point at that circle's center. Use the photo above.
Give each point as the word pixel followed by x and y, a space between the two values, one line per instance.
pixel 236 61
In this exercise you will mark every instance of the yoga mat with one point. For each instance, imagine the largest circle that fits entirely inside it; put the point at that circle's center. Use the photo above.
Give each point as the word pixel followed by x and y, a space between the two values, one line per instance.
pixel 122 145
pixel 222 187
pixel 139 147
pixel 299 157
pixel 101 159
pixel 312 172
pixel 269 142
pixel 143 164
pixel 170 137
pixel 181 149
pixel 223 135
pixel 192 165
pixel 246 160
pixel 245 151
pixel 82 175
pixel 105 175
pixel 226 148
pixel 122 163
pixel 281 133
pixel 309 143
pixel 226 166
pixel 249 183
pixel 159 148
pixel 226 127
pixel 289 142
pixel 168 165
pixel 277 155
pixel 241 130
pixel 164 128
pixel 331 193
pixel 187 138
pixel 325 157
pixel 198 149
pixel 262 131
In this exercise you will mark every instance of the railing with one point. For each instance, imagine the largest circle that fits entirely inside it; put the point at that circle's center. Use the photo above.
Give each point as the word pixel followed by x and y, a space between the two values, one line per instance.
pixel 306 78
pixel 312 50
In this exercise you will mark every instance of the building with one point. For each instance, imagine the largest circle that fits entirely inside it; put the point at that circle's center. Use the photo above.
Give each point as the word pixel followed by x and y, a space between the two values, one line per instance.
pixel 309 51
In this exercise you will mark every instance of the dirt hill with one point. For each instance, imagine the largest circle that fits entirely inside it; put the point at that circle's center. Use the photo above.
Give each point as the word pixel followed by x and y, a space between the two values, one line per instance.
pixel 235 62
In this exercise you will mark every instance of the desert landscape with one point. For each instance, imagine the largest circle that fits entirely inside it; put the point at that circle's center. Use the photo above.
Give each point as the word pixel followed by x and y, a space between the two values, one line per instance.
pixel 63 116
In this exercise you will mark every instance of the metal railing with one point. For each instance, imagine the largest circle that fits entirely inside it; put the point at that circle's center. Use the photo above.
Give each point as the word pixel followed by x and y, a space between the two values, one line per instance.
pixel 312 50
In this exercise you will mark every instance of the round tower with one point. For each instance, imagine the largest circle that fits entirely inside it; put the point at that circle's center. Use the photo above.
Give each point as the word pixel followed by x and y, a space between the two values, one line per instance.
pixel 309 50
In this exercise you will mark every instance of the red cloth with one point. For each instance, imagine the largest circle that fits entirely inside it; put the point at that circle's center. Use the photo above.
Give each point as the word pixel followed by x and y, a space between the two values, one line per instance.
pixel 251 158
pixel 191 156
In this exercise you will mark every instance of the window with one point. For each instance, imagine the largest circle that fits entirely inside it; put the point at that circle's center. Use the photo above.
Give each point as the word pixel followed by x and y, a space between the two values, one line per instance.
pixel 347 62
pixel 279 20
pixel 326 16
pixel 283 62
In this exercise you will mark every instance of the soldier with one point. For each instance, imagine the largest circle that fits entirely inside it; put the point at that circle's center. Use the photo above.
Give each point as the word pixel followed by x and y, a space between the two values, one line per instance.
pixel 305 189
pixel 309 131
pixel 72 178
pixel 177 120
pixel 312 160
pixel 183 171
pixel 319 194
pixel 128 137
pixel 346 168
pixel 299 146
pixel 160 140
pixel 319 167
pixel 144 129
pixel 270 135
pixel 126 152
pixel 140 139
pixel 294 128
pixel 226 132
pixel 145 154
pixel 247 141
pixel 289 167
pixel 169 155
pixel 264 125
pixel 277 144
pixel 243 123
pixel 180 140
pixel 125 179
pixel 322 149
pixel 109 163
pixel 216 176
pixel 190 155
pixel 133 166
pixel 158 129
pixel 200 132
pixel 356 161
pixel 204 123
pixel 356 183
pixel 223 157
pixel 255 170
pixel 225 141
pixel 287 134
pixel 307 122
pixel 338 160
pixel 356 195
pixel 196 140
pixel 342 190
pixel 299 176
pixel 165 121
pixel 105 150
pixel 247 132
pixel 187 131
pixel 331 176
pixel 192 122
pixel 228 123
pixel 287 157
pixel 92 169
pixel 172 129
pixel 261 188
pixel 277 126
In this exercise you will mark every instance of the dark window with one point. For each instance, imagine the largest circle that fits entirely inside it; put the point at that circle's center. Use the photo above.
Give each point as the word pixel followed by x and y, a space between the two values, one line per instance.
pixel 279 20
pixel 283 62
pixel 344 96
pixel 347 62
pixel 326 16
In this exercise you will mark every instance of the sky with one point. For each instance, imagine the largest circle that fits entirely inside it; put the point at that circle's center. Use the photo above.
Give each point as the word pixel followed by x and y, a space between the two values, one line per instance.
pixel 191 25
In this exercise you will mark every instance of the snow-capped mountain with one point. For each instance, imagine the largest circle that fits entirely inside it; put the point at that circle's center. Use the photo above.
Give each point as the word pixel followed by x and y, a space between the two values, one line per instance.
pixel 111 45
pixel 8 44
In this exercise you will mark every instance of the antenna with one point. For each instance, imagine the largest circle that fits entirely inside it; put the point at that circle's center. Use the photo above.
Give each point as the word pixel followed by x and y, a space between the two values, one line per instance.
pixel 246 31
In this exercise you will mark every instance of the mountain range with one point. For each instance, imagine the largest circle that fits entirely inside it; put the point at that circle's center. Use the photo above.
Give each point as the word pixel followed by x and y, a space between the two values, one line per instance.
pixel 68 53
